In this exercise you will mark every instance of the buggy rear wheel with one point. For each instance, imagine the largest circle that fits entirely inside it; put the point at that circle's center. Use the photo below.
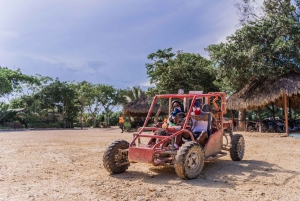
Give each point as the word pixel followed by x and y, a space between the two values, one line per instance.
pixel 189 160
pixel 237 148
pixel 115 157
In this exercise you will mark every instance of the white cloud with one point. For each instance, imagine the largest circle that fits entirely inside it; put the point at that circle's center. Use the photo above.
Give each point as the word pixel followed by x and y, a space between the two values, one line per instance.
pixel 212 27
pixel 106 41
pixel 8 36
pixel 147 84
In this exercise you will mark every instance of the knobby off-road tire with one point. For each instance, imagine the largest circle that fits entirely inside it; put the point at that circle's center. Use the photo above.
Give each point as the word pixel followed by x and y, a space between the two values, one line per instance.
pixel 189 160
pixel 112 159
pixel 237 148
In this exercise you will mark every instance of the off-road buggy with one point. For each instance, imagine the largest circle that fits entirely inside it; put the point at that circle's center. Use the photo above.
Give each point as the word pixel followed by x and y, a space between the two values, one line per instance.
pixel 168 146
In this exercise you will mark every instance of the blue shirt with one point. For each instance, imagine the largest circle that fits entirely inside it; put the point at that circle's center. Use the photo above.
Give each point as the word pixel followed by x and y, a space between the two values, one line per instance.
pixel 175 112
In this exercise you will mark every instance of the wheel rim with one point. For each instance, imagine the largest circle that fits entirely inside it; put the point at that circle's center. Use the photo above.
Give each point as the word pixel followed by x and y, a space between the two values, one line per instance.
pixel 193 162
pixel 240 148
pixel 120 157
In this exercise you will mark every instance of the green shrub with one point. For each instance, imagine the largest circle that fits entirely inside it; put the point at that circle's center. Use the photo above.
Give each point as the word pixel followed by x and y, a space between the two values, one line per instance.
pixel 14 125
pixel 127 125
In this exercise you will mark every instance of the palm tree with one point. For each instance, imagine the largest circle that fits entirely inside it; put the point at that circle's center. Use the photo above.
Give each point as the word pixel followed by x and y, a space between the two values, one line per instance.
pixel 3 110
pixel 133 94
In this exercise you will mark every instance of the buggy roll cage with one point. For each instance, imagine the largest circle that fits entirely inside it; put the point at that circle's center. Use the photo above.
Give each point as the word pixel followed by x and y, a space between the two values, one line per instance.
pixel 217 110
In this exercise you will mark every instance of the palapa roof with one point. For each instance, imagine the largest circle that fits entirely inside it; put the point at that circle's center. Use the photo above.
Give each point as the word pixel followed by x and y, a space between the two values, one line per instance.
pixel 141 106
pixel 261 92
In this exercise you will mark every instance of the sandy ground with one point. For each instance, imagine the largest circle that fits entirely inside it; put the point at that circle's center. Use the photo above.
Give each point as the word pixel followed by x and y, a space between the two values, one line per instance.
pixel 67 165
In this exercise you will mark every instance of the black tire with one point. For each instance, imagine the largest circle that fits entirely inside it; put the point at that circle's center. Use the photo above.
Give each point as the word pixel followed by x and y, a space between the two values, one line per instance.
pixel 111 162
pixel 264 128
pixel 189 160
pixel 237 148
pixel 249 128
pixel 279 129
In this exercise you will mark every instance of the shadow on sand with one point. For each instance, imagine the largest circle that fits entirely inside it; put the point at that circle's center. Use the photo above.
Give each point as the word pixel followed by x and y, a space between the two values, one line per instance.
pixel 218 173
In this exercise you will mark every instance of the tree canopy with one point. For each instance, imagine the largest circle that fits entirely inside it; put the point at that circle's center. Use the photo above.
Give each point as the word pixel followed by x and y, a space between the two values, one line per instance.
pixel 10 79
pixel 170 72
pixel 109 97
pixel 266 46
pixel 131 94
pixel 267 43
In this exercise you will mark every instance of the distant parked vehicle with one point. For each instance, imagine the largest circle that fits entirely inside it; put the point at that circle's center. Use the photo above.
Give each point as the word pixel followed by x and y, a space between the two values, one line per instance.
pixel 252 126
pixel 294 125
pixel 273 125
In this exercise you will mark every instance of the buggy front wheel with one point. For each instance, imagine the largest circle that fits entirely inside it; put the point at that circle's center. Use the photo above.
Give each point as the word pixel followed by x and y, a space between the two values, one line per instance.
pixel 115 157
pixel 189 160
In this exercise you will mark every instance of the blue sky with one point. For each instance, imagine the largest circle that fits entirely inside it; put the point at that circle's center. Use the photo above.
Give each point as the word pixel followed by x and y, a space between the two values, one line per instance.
pixel 107 42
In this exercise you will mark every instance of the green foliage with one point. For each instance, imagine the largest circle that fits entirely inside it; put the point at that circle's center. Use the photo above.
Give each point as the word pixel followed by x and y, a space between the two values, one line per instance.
pixel 109 97
pixel 16 103
pixel 45 125
pixel 3 111
pixel 170 72
pixel 85 96
pixel 132 94
pixel 59 97
pixel 11 79
pixel 94 97
pixel 14 125
pixel 8 116
pixel 114 118
pixel 267 46
pixel 127 126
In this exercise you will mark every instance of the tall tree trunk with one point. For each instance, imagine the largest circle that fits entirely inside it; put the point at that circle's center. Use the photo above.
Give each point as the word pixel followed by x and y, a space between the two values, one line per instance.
pixel 290 108
pixel 156 115
pixel 53 116
pixel 81 115
pixel 242 119
pixel 95 121
pixel 107 118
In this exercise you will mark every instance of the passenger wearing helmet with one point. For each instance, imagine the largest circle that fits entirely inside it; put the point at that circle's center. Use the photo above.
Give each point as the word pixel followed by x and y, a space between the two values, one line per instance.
pixel 177 108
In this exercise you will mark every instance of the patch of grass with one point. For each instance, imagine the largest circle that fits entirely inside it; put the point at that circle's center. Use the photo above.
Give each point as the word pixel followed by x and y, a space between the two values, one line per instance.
pixel 4 127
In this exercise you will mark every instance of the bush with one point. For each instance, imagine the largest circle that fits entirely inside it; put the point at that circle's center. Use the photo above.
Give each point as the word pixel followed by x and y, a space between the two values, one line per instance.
pixel 127 125
pixel 14 125
pixel 45 125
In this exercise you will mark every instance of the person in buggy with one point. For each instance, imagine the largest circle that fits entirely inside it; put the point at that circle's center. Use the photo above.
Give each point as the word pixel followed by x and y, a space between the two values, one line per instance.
pixel 177 108
pixel 199 120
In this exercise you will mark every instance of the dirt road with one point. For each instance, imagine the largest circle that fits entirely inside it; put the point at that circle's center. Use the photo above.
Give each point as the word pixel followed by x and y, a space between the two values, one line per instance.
pixel 67 165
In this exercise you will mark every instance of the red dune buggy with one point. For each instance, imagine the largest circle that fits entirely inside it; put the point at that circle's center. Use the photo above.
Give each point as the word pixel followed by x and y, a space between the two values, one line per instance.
pixel 175 143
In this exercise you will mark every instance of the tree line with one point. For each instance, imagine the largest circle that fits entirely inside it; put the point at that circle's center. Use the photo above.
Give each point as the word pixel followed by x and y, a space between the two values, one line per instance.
pixel 267 43
pixel 39 99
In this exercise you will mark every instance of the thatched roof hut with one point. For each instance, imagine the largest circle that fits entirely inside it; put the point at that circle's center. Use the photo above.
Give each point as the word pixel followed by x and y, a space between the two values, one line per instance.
pixel 140 107
pixel 265 91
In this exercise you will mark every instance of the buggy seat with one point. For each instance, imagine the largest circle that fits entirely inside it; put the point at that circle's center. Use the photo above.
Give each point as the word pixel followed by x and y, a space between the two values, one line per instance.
pixel 202 122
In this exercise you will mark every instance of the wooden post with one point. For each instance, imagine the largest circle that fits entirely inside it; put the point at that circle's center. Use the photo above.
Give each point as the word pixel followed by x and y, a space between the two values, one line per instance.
pixel 273 111
pixel 290 108
pixel 129 119
pixel 286 115
pixel 259 119
pixel 242 118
